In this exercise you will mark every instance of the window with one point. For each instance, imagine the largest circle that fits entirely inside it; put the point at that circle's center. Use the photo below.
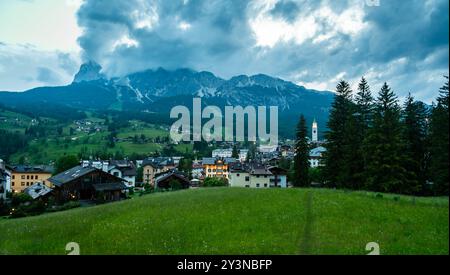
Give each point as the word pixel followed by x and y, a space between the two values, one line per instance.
pixel 23 177
pixel 13 183
pixel 237 175
pixel 257 176
pixel 28 177
pixel 265 176
pixel 13 177
pixel 22 183
pixel 247 178
pixel 247 186
pixel 257 185
pixel 265 184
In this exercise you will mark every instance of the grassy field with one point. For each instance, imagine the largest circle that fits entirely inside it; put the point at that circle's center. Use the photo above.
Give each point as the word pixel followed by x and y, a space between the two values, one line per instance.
pixel 239 221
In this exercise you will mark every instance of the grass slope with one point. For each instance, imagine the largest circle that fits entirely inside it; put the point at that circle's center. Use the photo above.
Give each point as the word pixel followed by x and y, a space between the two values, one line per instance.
pixel 239 221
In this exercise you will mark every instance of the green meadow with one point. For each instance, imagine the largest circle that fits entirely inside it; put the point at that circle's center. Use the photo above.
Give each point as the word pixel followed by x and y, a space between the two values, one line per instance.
pixel 239 221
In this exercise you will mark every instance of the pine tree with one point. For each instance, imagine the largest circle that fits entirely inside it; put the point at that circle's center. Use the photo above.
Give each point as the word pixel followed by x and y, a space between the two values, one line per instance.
pixel 338 164
pixel 301 161
pixel 415 129
pixel 385 172
pixel 439 139
pixel 364 103
pixel 363 122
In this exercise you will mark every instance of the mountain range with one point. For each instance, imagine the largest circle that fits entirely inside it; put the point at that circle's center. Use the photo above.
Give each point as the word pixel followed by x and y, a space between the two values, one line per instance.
pixel 157 91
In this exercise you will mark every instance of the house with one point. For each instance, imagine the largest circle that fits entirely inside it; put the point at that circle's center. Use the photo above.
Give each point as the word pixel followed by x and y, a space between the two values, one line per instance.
pixel 279 177
pixel 197 170
pixel 268 148
pixel 23 176
pixel 315 156
pixel 39 191
pixel 166 180
pixel 87 183
pixel 124 169
pixel 5 180
pixel 228 153
pixel 154 166
pixel 217 167
pixel 257 175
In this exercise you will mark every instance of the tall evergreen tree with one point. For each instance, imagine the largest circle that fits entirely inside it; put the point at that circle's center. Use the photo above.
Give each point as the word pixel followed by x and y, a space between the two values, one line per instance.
pixel 385 172
pixel 415 130
pixel 301 164
pixel 341 165
pixel 439 139
pixel 364 105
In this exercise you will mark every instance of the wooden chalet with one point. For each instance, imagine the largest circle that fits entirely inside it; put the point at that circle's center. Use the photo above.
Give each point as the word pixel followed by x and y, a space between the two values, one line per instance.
pixel 164 180
pixel 87 183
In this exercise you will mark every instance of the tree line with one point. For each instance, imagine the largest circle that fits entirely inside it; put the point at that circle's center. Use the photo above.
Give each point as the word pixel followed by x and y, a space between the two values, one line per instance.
pixel 382 145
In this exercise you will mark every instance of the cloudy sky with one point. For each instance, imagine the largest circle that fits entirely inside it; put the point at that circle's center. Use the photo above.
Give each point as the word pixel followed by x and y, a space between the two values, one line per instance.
pixel 314 43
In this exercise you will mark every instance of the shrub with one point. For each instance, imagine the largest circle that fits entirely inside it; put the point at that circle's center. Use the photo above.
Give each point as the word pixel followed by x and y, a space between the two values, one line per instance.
pixel 20 198
pixel 215 182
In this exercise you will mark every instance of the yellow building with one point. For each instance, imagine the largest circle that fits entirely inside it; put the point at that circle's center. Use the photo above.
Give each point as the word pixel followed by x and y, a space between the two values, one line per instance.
pixel 217 167
pixel 23 176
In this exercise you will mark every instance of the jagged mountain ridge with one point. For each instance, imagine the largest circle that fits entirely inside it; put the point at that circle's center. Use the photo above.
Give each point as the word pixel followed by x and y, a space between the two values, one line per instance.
pixel 158 90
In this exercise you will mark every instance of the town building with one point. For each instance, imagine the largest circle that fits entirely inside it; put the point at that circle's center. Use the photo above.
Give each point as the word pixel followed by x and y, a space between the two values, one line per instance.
pixel 39 191
pixel 87 183
pixel 197 170
pixel 154 166
pixel 124 169
pixel 167 179
pixel 256 175
pixel 217 167
pixel 5 180
pixel 268 148
pixel 228 153
pixel 315 156
pixel 23 176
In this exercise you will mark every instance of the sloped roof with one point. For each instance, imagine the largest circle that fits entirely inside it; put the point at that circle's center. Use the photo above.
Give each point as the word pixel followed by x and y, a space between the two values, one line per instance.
pixel 71 174
pixel 317 152
pixel 32 169
pixel 38 190
pixel 208 161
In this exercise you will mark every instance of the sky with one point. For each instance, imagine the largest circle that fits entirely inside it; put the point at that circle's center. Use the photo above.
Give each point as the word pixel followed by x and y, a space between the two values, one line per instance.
pixel 314 43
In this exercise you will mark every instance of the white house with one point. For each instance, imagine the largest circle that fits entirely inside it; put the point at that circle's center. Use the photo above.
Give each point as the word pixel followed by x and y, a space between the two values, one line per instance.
pixel 267 148
pixel 5 180
pixel 257 176
pixel 124 169
pixel 228 153
pixel 197 170
pixel 315 156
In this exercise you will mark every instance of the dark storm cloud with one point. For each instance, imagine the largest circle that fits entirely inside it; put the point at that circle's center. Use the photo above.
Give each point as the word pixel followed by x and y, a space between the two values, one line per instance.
pixel 310 42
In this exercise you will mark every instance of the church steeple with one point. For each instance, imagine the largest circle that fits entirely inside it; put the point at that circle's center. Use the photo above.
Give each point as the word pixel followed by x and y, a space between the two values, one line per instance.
pixel 315 132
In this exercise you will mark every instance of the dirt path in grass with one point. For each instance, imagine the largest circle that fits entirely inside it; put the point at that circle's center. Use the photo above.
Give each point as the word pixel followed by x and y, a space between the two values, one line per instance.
pixel 307 238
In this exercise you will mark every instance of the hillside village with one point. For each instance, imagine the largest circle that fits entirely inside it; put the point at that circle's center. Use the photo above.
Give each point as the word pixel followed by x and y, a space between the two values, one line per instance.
pixel 99 181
